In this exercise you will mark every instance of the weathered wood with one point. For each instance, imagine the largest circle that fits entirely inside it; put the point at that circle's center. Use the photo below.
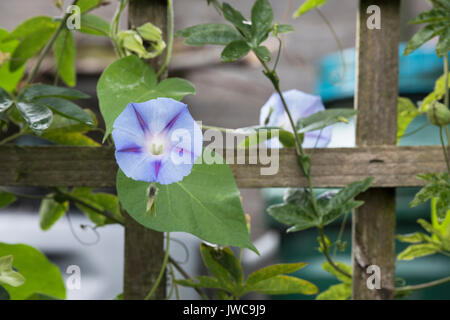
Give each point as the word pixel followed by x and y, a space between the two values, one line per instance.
pixel 144 248
pixel 373 231
pixel 50 166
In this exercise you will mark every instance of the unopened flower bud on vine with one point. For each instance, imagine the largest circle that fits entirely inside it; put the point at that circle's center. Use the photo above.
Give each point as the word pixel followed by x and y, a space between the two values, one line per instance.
pixel 438 114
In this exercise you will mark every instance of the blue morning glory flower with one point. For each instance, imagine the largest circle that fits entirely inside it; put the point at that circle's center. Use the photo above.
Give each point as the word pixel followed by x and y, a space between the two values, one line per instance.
pixel 300 105
pixel 157 141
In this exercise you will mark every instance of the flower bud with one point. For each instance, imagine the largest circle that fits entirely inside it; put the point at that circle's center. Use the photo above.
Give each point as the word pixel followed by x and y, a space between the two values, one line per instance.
pixel 438 114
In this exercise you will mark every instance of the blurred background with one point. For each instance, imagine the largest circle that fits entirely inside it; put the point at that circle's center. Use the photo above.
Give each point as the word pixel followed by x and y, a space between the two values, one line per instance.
pixel 231 95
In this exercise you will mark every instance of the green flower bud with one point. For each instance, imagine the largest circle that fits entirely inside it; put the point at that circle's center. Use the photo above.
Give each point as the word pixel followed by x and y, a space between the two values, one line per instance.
pixel 438 114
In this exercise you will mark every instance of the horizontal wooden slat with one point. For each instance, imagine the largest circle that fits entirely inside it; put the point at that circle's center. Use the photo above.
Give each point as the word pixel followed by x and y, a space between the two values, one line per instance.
pixel 89 166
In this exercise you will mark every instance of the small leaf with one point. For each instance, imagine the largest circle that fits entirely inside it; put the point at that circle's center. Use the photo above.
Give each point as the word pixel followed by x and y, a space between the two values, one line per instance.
pixel 50 212
pixel 210 33
pixel 66 109
pixel 263 53
pixel 260 134
pixel 272 271
pixel 293 215
pixel 5 100
pixel 340 291
pixel 437 94
pixel 38 116
pixel 344 267
pixel 7 274
pixel 94 25
pixel 222 275
pixel 44 91
pixel 237 19
pixel 282 284
pixel 322 119
pixel 282 28
pixel 415 237
pixel 235 50
pixel 307 6
pixel 6 199
pixel 64 53
pixel 418 250
pixel 407 112
pixel 423 36
pixel 262 18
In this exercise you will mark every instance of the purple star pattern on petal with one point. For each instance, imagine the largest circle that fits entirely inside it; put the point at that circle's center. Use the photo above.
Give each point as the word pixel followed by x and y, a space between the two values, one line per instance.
pixel 157 141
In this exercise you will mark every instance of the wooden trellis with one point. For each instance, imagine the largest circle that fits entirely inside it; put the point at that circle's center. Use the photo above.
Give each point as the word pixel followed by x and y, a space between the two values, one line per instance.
pixel 376 155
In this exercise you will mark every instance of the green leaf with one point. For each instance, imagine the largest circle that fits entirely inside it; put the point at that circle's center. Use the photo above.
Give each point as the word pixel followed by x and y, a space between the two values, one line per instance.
pixel 418 250
pixel 262 18
pixel 282 284
pixel 210 33
pixel 44 91
pixel 50 212
pixel 176 88
pixel 6 199
pixel 37 116
pixel 5 100
pixel 211 210
pixel 101 201
pixel 8 79
pixel 235 50
pixel 263 53
pixel 40 274
pixel 407 112
pixel 66 109
pixel 443 46
pixel 87 5
pixel 61 124
pixel 129 80
pixel 308 5
pixel 237 19
pixel 69 138
pixel 8 276
pixel 272 271
pixel 415 237
pixel 64 53
pixel 292 215
pixel 32 27
pixel 260 134
pixel 223 265
pixel 339 204
pixel 340 291
pixel 439 184
pixel 282 28
pixel 94 25
pixel 348 269
pixel 432 16
pixel 322 119
pixel 4 295
pixel 41 296
pixel 201 282
pixel 437 94
pixel 423 36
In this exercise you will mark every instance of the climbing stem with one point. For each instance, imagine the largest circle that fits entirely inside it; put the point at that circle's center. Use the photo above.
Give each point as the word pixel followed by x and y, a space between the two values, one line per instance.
pixel 162 271
pixel 325 252
pixel 170 27
pixel 423 285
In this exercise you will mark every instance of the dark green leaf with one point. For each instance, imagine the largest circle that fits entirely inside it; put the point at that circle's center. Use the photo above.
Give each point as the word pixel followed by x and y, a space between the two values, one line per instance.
pixel 272 271
pixel 237 19
pixel 4 295
pixel 37 116
pixel 66 109
pixel 433 16
pixel 262 18
pixel 263 53
pixel 201 282
pixel 223 276
pixel 64 53
pixel 45 90
pixel 443 46
pixel 5 100
pixel 211 33
pixel 211 210
pixel 50 212
pixel 322 119
pixel 6 199
pixel 424 35
pixel 235 50
pixel 94 25
pixel 307 6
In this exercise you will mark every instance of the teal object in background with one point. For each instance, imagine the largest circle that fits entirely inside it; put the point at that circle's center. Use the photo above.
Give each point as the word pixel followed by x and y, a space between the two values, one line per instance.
pixel 417 75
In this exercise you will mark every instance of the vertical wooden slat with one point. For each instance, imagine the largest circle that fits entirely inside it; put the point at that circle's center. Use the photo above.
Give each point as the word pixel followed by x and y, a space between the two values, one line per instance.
pixel 144 248
pixel 373 230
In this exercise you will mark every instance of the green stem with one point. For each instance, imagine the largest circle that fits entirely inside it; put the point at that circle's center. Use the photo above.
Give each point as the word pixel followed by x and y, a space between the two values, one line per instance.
pixel 423 285
pixel 341 232
pixel 327 256
pixel 114 29
pixel 47 47
pixel 12 137
pixel 162 271
pixel 170 36
pixel 446 99
pixel 187 277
